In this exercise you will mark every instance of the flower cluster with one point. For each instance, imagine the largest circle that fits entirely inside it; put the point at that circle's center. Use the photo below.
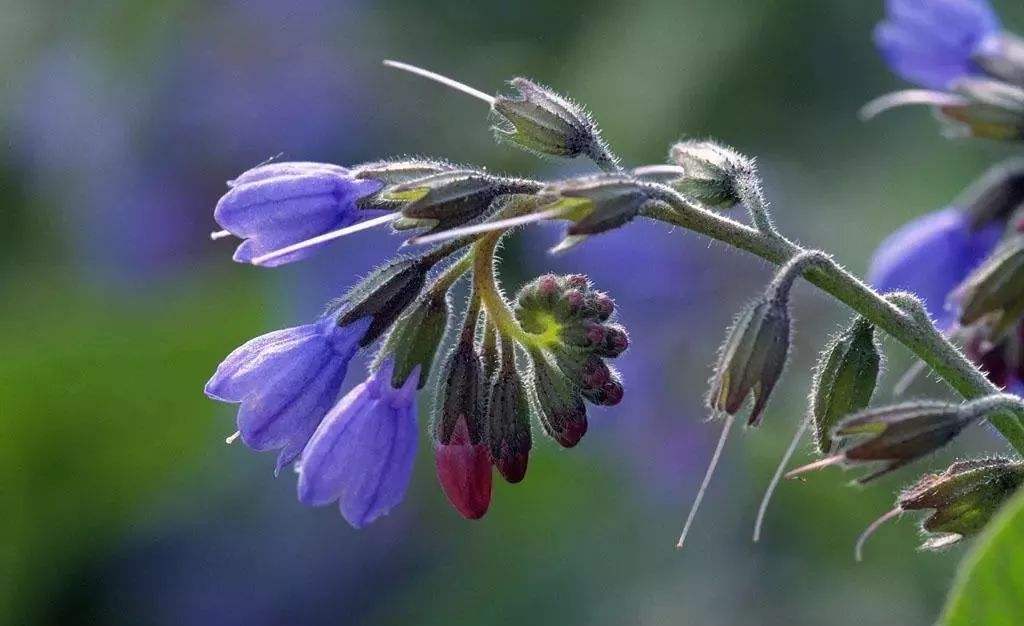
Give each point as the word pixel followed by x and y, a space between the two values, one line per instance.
pixel 497 366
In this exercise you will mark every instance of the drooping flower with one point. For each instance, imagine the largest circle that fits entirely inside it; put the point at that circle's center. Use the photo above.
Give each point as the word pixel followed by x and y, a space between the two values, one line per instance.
pixel 362 453
pixel 932 42
pixel 286 382
pixel 931 256
pixel 275 205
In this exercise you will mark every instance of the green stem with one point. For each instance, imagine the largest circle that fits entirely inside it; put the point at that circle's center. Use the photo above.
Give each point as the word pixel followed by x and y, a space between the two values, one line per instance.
pixel 903 316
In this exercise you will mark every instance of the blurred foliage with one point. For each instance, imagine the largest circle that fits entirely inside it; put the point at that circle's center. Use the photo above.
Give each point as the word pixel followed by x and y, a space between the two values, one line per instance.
pixel 988 587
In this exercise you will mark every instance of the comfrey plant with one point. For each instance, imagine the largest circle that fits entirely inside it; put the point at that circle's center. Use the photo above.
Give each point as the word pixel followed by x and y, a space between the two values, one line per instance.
pixel 949 287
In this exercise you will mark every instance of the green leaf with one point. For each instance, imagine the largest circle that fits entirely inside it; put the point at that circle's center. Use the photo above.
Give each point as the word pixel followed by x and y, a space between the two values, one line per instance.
pixel 989 588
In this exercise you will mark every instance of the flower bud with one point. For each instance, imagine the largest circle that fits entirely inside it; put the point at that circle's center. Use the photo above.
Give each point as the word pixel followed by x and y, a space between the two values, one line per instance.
pixel 562 411
pixel 845 379
pixel 541 121
pixel 711 172
pixel 964 497
pixel 899 434
pixel 452 198
pixel 995 290
pixel 416 338
pixel 752 358
pixel 508 418
pixel 990 109
pixel 392 173
pixel 462 455
pixel 384 294
pixel 997 195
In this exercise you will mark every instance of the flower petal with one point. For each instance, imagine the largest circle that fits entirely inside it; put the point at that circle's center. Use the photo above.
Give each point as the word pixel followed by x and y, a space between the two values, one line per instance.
pixel 247 367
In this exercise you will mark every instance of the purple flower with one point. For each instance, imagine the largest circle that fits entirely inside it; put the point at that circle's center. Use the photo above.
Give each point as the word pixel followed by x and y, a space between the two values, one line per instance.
pixel 362 453
pixel 279 204
pixel 931 256
pixel 286 382
pixel 932 42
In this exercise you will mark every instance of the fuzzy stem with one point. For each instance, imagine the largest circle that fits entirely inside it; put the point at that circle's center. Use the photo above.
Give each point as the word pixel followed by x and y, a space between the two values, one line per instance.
pixel 910 327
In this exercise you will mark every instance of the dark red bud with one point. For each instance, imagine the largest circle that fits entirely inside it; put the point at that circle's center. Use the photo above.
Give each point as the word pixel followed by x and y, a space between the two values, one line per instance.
pixel 577 281
pixel 604 306
pixel 595 373
pixel 575 300
pixel 595 333
pixel 547 285
pixel 613 393
pixel 464 471
pixel 512 465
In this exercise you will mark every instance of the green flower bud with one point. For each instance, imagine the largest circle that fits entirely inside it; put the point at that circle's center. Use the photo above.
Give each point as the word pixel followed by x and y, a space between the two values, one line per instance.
pixel 964 497
pixel 562 411
pixel 416 338
pixel 451 198
pixel 712 173
pixel 752 358
pixel 845 379
pixel 543 122
pixel 995 290
pixel 508 418
pixel 384 294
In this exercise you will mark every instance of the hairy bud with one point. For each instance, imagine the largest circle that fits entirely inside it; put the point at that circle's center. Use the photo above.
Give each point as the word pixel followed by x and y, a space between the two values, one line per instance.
pixel 752 358
pixel 995 290
pixel 596 204
pixel 845 379
pixel 384 294
pixel 393 173
pixel 543 122
pixel 416 337
pixel 712 173
pixel 562 411
pixel 508 418
pixel 964 497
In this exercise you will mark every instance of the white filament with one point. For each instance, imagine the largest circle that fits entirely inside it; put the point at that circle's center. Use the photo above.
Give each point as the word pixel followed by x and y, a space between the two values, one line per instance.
pixel 444 80
pixel 486 227
pixel 909 97
pixel 777 477
pixel 330 236
pixel 858 548
pixel 810 467
pixel 232 438
pixel 219 234
pixel 707 479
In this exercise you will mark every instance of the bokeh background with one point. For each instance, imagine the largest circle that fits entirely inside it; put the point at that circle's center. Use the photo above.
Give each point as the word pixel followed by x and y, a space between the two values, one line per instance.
pixel 120 503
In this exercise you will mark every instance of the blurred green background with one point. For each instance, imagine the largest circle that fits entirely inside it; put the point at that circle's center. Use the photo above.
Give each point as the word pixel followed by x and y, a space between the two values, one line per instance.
pixel 120 503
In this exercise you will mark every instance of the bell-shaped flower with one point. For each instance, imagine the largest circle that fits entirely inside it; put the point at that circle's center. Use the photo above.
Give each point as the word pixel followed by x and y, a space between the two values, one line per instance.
pixel 362 453
pixel 931 256
pixel 276 205
pixel 286 382
pixel 933 42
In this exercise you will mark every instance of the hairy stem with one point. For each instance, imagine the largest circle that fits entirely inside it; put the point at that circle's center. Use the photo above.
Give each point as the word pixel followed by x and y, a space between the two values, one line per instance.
pixel 904 319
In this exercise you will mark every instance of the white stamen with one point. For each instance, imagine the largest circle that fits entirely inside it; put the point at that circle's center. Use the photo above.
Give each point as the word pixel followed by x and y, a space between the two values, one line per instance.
pixel 656 170
pixel 219 234
pixel 908 378
pixel 858 548
pixel 444 80
pixel 234 437
pixel 777 477
pixel 909 97
pixel 334 234
pixel 729 419
pixel 485 227
pixel 810 467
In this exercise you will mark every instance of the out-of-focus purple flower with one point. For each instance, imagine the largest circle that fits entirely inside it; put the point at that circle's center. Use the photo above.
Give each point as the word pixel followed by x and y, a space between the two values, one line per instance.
pixel 276 205
pixel 932 42
pixel 362 453
pixel 286 382
pixel 930 256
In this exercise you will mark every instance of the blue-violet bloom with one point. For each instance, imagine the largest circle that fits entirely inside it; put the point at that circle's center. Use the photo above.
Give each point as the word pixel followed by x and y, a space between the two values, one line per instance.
pixel 279 204
pixel 362 453
pixel 286 382
pixel 932 42
pixel 931 256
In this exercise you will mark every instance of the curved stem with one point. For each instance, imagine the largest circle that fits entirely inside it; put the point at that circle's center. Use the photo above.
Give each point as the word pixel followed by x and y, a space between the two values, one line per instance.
pixel 486 286
pixel 912 328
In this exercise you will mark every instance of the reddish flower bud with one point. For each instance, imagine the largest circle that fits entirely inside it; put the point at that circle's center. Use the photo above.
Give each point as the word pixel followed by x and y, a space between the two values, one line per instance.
pixel 464 471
